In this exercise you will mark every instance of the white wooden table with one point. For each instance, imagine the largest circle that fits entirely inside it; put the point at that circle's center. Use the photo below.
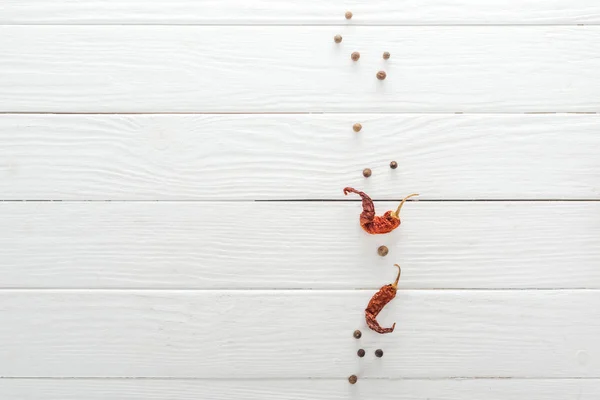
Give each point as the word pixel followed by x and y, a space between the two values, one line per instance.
pixel 173 224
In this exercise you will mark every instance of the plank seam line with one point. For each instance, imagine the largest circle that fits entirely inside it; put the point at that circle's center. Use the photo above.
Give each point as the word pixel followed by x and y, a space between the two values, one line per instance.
pixel 283 289
pixel 157 378
pixel 442 113
pixel 341 25
pixel 436 200
pixel 306 201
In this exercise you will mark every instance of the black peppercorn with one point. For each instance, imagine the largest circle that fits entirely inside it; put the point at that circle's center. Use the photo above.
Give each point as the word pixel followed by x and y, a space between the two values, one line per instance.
pixel 393 165
pixel 360 353
pixel 357 334
pixel 379 353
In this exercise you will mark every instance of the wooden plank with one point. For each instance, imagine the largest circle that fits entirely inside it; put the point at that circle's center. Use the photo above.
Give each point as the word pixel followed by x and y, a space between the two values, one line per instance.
pixel 247 157
pixel 298 334
pixel 339 389
pixel 297 245
pixel 273 12
pixel 298 69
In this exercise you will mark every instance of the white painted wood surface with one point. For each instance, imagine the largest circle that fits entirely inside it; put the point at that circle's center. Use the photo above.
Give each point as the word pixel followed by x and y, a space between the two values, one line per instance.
pixel 326 389
pixel 193 290
pixel 316 245
pixel 299 69
pixel 298 334
pixel 274 12
pixel 247 157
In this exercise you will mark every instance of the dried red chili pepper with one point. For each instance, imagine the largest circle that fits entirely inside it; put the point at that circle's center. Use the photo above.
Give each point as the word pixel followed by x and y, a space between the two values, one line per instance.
pixel 375 224
pixel 378 301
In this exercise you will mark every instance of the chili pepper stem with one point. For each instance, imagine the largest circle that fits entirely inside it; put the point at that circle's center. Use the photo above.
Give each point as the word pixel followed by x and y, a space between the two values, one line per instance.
pixel 395 284
pixel 396 214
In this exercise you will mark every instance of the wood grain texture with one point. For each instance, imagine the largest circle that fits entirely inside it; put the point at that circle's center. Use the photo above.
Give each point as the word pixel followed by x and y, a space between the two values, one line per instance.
pixel 298 69
pixel 273 12
pixel 339 389
pixel 298 334
pixel 247 157
pixel 317 245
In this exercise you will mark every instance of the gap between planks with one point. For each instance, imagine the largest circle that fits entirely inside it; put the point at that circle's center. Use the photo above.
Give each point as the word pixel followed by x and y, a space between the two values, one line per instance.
pixel 301 113
pixel 304 200
pixel 284 289
pixel 166 378
pixel 263 25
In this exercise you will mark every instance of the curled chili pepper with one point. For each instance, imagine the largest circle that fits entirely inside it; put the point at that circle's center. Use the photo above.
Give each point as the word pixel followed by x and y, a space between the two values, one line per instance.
pixel 378 301
pixel 375 224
